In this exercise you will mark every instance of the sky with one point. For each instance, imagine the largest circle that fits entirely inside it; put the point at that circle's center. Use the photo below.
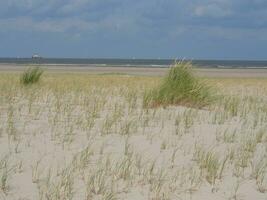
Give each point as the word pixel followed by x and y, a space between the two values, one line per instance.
pixel 191 29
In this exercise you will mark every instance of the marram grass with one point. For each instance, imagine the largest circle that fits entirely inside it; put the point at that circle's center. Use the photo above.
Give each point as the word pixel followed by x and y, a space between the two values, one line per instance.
pixel 180 87
pixel 31 76
pixel 186 152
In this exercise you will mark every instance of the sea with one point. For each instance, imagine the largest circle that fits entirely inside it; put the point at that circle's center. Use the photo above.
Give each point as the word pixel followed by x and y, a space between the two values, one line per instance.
pixel 134 62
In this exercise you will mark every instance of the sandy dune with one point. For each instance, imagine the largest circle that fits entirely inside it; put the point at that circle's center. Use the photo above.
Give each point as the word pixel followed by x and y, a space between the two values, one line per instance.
pixel 78 136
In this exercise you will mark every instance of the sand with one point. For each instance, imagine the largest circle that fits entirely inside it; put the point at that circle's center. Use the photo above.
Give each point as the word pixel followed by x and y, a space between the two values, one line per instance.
pixel 141 71
pixel 78 136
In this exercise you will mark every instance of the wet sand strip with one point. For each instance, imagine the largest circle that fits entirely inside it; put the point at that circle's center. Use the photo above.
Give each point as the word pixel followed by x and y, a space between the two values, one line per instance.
pixel 140 70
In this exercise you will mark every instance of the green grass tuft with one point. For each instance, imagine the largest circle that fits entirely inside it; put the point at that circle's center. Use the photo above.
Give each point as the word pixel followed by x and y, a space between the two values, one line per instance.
pixel 179 87
pixel 31 75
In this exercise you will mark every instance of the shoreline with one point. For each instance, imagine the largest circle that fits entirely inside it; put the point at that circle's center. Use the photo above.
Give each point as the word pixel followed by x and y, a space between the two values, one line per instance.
pixel 139 70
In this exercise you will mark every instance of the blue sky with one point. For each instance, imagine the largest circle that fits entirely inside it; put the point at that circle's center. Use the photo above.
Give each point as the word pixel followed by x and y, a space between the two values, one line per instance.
pixel 196 29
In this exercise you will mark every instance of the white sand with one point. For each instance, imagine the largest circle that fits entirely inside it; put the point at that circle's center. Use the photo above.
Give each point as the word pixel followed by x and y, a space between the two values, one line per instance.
pixel 142 71
pixel 91 139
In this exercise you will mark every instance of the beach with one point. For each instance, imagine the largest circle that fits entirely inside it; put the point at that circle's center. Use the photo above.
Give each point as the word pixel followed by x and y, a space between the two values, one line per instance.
pixel 83 132
pixel 140 70
pixel 133 100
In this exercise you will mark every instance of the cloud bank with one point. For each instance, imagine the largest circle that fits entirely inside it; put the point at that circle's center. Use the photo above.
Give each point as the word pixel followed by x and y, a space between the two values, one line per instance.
pixel 174 25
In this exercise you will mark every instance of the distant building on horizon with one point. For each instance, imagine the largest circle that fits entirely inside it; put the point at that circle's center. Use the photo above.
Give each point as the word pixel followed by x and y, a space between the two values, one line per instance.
pixel 36 56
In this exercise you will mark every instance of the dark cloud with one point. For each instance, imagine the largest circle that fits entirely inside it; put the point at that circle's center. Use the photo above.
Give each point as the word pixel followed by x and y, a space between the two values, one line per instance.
pixel 130 22
pixel 223 13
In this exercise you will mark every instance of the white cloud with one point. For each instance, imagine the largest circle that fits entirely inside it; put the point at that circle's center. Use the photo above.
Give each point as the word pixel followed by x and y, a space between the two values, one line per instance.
pixel 73 6
pixel 47 25
pixel 161 16
pixel 212 10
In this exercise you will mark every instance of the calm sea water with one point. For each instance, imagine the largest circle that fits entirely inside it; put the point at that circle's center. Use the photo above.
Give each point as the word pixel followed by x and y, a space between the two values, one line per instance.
pixel 135 62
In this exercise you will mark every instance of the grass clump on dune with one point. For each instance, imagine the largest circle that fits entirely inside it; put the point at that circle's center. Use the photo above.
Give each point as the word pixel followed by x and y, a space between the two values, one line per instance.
pixel 179 87
pixel 31 76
